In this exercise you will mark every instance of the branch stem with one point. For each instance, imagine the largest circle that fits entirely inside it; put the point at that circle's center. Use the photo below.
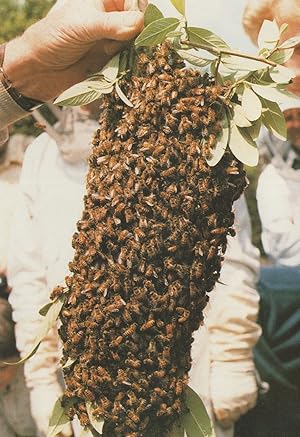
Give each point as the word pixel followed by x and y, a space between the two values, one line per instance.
pixel 220 52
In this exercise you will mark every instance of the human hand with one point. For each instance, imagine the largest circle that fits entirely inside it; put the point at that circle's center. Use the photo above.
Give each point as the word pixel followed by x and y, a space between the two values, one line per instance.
pixel 233 390
pixel 75 39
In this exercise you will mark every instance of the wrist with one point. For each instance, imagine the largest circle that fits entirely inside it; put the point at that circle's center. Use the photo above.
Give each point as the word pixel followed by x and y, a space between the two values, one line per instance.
pixel 23 71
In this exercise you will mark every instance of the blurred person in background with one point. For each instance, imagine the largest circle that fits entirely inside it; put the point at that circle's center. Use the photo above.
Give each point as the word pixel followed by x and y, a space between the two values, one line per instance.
pixel 15 415
pixel 277 351
pixel 278 191
pixel 52 187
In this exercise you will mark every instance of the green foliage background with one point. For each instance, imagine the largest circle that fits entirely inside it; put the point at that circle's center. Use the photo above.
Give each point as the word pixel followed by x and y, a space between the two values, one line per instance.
pixel 16 16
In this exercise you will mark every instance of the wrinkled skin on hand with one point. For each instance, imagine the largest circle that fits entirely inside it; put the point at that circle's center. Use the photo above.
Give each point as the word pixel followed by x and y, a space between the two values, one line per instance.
pixel 75 39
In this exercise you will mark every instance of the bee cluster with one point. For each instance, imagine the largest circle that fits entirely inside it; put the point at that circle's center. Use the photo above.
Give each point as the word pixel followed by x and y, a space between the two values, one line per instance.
pixel 148 249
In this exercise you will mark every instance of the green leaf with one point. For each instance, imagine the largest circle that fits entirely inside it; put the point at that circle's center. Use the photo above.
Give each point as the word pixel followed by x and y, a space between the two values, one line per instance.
pixel 77 95
pixel 44 310
pixel 69 362
pixel 196 422
pixel 273 119
pixel 156 32
pixel 58 419
pixel 47 323
pixel 175 34
pixel 269 35
pixel 269 92
pixel 177 429
pixel 96 421
pixel 124 58
pixel 281 56
pixel 261 77
pixel 220 147
pixel 242 146
pixel 242 64
pixel 281 74
pixel 205 37
pixel 251 104
pixel 111 69
pixel 179 5
pixel 152 13
pixel 193 59
pixel 240 118
pixel 85 433
pixel 283 28
pixel 122 96
pixel 290 43
pixel 254 129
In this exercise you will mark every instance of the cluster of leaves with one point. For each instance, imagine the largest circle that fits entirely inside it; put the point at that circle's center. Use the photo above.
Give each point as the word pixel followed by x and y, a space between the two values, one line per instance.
pixel 195 422
pixel 256 84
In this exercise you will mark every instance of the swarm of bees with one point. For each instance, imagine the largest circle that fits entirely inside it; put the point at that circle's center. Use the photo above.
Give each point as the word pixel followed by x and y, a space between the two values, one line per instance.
pixel 148 249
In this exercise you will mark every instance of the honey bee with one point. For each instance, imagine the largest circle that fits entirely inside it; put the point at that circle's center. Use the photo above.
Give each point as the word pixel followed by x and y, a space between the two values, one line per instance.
pixel 164 410
pixel 120 208
pixel 184 314
pixel 123 235
pixel 177 406
pixel 159 374
pixel 131 330
pixel 148 325
pixel 179 387
pixel 129 217
pixel 211 252
pixel 132 399
pixel 67 313
pixel 218 231
pixel 78 337
pixel 116 342
pixel 169 172
pixel 169 263
pixel 131 424
pixel 139 234
pixel 83 419
pixel 126 316
pixel 89 395
pixel 148 362
pixel 134 363
pixel 161 393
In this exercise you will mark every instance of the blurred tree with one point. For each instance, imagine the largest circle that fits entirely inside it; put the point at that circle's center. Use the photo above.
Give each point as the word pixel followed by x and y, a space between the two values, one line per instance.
pixel 16 16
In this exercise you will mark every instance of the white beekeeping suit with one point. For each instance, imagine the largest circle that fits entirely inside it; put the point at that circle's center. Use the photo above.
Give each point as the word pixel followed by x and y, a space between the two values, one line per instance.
pixel 52 186
pixel 223 371
pixel 11 158
pixel 278 199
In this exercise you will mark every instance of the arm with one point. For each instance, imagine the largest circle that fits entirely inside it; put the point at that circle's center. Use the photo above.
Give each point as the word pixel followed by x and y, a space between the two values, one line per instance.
pixel 280 217
pixel 232 327
pixel 75 39
pixel 29 293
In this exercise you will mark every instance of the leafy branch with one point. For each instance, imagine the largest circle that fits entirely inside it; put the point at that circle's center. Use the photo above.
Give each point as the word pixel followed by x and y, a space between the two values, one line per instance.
pixel 254 84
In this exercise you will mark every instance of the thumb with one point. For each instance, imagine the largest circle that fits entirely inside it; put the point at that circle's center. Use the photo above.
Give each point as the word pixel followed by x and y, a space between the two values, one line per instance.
pixel 120 26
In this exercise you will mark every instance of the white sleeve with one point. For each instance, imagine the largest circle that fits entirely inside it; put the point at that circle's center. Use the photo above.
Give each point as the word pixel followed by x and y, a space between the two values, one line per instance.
pixel 279 218
pixel 26 275
pixel 234 305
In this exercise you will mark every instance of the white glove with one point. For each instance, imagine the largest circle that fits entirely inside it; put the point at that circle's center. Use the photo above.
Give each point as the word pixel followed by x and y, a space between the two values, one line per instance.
pixel 42 399
pixel 233 389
